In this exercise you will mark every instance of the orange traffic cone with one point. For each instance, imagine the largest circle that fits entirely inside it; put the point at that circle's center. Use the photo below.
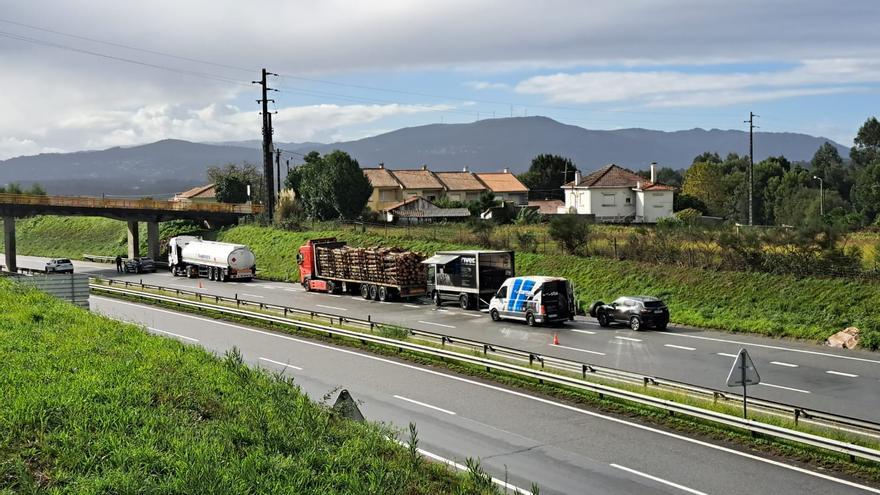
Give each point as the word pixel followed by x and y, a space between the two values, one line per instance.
pixel 555 339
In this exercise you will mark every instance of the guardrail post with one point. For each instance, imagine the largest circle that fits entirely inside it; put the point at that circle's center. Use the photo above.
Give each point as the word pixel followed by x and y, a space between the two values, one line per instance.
pixel 584 371
pixel 442 341
pixel 797 415
pixel 370 319
pixel 199 296
pixel 285 311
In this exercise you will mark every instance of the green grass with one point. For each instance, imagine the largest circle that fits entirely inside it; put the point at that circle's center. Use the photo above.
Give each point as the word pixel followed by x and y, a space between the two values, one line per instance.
pixel 91 405
pixel 773 305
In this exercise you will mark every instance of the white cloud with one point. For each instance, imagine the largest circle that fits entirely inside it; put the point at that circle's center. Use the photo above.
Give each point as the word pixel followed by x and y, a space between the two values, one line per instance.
pixel 12 146
pixel 484 85
pixel 677 88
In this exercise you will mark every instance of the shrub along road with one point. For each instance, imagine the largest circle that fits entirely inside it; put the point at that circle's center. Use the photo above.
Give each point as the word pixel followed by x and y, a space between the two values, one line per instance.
pixel 517 436
pixel 811 376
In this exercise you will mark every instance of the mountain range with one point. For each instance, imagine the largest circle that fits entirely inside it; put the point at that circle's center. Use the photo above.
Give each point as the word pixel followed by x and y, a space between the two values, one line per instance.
pixel 167 166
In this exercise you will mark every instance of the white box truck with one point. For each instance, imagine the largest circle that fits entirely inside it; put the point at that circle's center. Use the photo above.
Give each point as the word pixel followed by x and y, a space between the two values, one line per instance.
pixel 193 257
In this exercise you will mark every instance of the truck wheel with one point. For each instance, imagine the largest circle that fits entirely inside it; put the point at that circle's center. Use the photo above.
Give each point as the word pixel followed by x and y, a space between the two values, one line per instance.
pixel 594 307
pixel 494 314
pixel 306 284
pixel 437 299
pixel 464 301
pixel 365 291
pixel 530 319
pixel 383 293
pixel 635 323
pixel 374 292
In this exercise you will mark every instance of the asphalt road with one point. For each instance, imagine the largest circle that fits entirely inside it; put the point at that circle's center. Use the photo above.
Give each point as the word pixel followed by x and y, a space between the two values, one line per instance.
pixel 839 381
pixel 564 449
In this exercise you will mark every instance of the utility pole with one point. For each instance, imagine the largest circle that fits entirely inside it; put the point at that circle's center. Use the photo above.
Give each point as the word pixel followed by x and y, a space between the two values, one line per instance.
pixel 267 144
pixel 752 127
pixel 278 171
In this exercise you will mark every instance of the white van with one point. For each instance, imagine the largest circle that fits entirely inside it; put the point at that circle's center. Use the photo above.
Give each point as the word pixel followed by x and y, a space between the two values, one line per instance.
pixel 535 300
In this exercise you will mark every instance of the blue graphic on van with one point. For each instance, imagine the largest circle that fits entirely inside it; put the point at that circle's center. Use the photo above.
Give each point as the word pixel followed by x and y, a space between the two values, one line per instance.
pixel 519 292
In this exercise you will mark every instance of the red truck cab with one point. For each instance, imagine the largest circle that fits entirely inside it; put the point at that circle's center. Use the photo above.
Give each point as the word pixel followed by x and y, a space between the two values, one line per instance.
pixel 305 258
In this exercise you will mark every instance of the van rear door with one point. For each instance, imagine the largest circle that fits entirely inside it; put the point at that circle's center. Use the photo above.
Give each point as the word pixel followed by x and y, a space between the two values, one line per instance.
pixel 555 299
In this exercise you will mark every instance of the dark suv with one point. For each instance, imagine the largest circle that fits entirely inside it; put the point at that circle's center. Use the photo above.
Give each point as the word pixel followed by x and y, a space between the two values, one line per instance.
pixel 139 265
pixel 636 311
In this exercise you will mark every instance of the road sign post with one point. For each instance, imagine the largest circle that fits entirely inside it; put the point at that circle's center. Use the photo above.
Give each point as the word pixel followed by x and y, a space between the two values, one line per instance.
pixel 743 373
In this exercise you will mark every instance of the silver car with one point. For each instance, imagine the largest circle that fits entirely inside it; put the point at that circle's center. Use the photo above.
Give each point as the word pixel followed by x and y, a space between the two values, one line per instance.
pixel 60 265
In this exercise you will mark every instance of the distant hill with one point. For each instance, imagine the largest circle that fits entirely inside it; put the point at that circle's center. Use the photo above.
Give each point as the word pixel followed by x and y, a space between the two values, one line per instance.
pixel 172 165
pixel 512 142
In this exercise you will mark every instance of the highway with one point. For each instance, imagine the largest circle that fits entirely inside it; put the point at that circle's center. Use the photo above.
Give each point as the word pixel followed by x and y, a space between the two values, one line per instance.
pixel 565 449
pixel 812 376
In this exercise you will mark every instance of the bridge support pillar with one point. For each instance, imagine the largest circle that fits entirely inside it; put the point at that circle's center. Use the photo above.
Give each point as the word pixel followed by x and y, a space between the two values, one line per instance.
pixel 9 243
pixel 134 240
pixel 153 240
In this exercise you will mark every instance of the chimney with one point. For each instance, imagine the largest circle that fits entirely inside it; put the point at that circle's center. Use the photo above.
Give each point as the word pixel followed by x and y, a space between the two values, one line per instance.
pixel 577 177
pixel 424 167
pixel 381 166
pixel 653 165
pixel 464 169
pixel 638 185
pixel 506 170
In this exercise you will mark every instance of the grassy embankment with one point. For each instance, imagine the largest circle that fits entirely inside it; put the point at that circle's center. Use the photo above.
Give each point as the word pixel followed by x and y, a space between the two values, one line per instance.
pixel 781 306
pixel 95 406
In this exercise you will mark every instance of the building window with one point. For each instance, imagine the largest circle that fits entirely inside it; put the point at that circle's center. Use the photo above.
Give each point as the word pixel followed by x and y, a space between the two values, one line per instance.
pixel 628 200
pixel 608 199
pixel 387 195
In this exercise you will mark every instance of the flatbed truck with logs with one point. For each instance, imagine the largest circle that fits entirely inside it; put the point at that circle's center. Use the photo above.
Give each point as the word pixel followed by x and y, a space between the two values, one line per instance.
pixel 378 273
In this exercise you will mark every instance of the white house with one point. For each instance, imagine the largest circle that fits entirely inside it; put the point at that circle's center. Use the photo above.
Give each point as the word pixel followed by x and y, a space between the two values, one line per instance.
pixel 615 194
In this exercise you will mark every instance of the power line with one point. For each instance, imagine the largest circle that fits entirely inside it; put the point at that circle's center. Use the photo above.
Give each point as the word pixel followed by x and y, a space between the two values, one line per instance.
pixel 60 46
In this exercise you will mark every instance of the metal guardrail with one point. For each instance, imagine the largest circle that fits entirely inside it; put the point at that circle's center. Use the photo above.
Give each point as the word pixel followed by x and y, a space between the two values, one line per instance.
pixel 112 259
pixel 137 204
pixel 755 427
pixel 794 412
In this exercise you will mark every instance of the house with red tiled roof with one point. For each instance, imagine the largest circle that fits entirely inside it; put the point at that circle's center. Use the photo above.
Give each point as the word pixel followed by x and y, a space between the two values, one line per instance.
pixel 506 186
pixel 616 194
pixel 200 194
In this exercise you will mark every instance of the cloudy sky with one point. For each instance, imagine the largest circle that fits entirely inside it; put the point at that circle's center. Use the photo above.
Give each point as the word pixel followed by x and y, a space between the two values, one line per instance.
pixel 95 74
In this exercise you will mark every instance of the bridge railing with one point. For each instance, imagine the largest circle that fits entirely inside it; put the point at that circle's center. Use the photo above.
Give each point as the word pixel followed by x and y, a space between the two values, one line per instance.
pixel 137 204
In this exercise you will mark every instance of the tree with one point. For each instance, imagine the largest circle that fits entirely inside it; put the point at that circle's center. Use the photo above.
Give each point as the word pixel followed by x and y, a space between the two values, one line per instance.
pixel 687 202
pixel 703 181
pixel 867 143
pixel 706 157
pixel 487 200
pixel 36 190
pixel 233 180
pixel 330 186
pixel 230 189
pixel 13 188
pixel 571 232
pixel 546 175
pixel 828 165
pixel 866 192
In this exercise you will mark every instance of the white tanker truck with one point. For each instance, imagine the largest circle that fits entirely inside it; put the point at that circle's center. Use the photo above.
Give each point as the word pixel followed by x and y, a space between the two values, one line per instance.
pixel 193 257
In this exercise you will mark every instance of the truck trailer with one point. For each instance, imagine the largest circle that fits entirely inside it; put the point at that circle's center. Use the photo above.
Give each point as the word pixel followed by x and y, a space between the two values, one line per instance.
pixel 193 257
pixel 382 274
pixel 469 277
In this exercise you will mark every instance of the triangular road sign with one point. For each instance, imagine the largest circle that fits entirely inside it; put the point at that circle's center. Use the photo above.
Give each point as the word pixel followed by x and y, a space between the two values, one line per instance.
pixel 743 371
pixel 347 407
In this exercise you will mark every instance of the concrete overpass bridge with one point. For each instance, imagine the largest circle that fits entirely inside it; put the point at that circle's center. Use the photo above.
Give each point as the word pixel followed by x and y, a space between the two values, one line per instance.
pixel 132 211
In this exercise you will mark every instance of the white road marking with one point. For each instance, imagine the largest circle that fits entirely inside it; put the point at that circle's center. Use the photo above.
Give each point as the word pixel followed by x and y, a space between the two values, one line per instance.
pixel 429 406
pixel 787 365
pixel 514 393
pixel 840 373
pixel 291 290
pixel 784 388
pixel 437 324
pixel 658 480
pixel 279 363
pixel 331 307
pixel 726 354
pixel 461 467
pixel 778 348
pixel 173 334
pixel 252 295
pixel 579 350
pixel 685 348
pixel 627 338
pixel 334 295
pixel 588 332
pixel 412 306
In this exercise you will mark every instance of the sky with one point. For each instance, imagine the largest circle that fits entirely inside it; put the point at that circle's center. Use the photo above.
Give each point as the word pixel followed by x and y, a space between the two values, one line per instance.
pixel 96 74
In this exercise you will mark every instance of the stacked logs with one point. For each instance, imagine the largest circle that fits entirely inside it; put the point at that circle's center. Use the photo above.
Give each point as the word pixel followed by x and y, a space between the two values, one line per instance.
pixel 393 266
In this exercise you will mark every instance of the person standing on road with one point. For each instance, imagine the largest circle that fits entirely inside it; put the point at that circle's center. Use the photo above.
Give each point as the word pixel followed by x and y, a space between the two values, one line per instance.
pixel 118 264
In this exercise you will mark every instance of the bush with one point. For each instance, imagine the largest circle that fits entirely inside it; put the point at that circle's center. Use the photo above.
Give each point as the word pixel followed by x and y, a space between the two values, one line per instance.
pixel 571 232
pixel 688 215
pixel 482 231
pixel 527 216
pixel 527 242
